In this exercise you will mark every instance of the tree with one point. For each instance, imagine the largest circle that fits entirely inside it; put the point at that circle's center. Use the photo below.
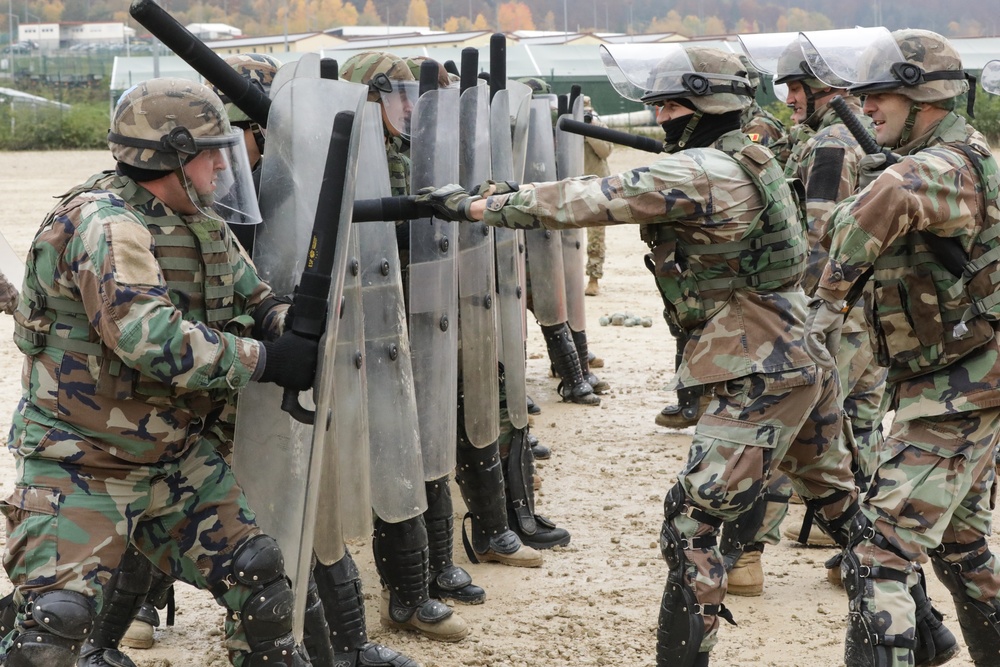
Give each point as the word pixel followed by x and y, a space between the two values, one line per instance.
pixel 481 23
pixel 369 16
pixel 458 24
pixel 513 16
pixel 417 13
pixel 549 22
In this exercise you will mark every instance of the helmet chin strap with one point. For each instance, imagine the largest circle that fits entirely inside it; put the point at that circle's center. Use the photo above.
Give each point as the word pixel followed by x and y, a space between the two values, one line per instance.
pixel 685 136
pixel 911 119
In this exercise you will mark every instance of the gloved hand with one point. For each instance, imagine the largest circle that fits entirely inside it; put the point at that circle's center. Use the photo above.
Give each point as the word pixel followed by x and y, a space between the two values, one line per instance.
pixel 871 167
pixel 490 187
pixel 823 327
pixel 290 361
pixel 267 315
pixel 450 202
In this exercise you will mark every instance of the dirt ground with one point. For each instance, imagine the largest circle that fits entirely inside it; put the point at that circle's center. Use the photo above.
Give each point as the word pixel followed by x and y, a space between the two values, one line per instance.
pixel 594 602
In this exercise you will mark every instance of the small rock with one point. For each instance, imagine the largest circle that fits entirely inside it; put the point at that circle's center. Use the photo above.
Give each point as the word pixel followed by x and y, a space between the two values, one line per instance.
pixel 647 322
pixel 604 320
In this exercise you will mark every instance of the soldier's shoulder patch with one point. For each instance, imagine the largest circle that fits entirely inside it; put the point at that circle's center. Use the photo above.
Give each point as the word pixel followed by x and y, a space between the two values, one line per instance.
pixel 755 137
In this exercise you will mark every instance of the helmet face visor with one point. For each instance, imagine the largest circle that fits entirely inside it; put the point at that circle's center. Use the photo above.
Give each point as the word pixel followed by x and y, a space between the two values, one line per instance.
pixel 397 98
pixel 851 57
pixel 990 77
pixel 219 181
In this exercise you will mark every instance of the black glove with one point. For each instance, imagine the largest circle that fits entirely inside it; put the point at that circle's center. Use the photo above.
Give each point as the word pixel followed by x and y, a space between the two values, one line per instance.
pixel 450 202
pixel 491 187
pixel 290 361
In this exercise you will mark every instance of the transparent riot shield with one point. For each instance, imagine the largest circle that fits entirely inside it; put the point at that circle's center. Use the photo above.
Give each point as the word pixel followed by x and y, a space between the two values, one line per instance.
pixel 11 265
pixel 569 163
pixel 519 106
pixel 433 284
pixel 285 492
pixel 510 288
pixel 477 279
pixel 397 472
pixel 544 246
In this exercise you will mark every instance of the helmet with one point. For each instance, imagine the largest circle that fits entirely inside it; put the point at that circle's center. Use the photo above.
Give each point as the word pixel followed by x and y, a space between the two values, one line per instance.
pixel 918 64
pixel 257 68
pixel 160 123
pixel 792 66
pixel 365 67
pixel 444 77
pixel 714 81
pixel 538 86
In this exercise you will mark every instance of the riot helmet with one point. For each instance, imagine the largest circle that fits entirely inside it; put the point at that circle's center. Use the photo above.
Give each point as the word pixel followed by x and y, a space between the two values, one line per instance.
pixel 171 124
pixel 389 82
pixel 259 69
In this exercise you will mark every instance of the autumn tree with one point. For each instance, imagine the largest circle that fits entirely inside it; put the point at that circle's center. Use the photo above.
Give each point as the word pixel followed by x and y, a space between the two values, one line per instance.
pixel 513 16
pixel 549 22
pixel 458 24
pixel 369 16
pixel 480 23
pixel 417 13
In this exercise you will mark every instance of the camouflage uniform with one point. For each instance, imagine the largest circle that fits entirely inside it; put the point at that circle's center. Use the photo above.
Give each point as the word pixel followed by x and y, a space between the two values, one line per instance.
pixel 761 126
pixel 930 488
pixel 824 157
pixel 131 321
pixel 770 406
pixel 595 163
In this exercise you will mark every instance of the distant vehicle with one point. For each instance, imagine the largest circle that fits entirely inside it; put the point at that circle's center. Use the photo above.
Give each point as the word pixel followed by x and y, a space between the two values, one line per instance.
pixel 18 47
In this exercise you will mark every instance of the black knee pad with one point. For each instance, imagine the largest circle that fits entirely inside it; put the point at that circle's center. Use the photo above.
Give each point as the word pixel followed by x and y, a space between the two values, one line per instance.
pixel 267 613
pixel 57 622
pixel 680 629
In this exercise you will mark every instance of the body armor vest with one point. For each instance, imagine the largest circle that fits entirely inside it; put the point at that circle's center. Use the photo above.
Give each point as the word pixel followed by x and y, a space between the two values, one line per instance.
pixel 933 303
pixel 696 280
pixel 194 260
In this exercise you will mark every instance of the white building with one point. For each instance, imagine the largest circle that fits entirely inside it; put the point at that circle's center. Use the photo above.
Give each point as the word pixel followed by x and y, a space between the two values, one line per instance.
pixel 51 36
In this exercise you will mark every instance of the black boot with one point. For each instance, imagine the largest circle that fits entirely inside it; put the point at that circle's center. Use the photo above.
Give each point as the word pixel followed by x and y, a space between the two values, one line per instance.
pixel 343 604
pixel 447 579
pixel 955 564
pixel 533 408
pixel 562 352
pixel 401 558
pixel 480 478
pixel 691 401
pixel 316 636
pixel 535 530
pixel 538 450
pixel 936 644
pixel 580 341
pixel 123 597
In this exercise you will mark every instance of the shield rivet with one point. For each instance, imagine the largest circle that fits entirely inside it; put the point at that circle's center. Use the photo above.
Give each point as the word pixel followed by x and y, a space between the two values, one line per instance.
pixel 548 233
pixel 384 267
pixel 355 266
pixel 393 352
pixel 358 358
pixel 444 323
pixel 518 292
pixel 443 244
pixel 488 302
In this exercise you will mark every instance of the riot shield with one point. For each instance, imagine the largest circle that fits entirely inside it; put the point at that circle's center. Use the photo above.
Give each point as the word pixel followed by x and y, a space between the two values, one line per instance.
pixel 510 288
pixel 433 284
pixel 345 510
pixel 397 473
pixel 306 67
pixel 569 163
pixel 284 493
pixel 544 246
pixel 519 106
pixel 477 278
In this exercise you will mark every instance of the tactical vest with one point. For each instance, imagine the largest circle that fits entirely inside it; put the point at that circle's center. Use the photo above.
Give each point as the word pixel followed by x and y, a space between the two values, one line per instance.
pixel 933 304
pixel 195 263
pixel 696 280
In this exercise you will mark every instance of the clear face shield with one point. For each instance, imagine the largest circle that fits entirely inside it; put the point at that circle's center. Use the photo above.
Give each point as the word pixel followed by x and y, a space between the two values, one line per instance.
pixel 397 98
pixel 764 51
pixel 852 57
pixel 990 78
pixel 218 178
pixel 654 73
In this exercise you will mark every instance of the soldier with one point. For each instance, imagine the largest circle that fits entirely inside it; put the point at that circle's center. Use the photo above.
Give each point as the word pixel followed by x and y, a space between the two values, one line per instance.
pixel 913 227
pixel 413 557
pixel 728 253
pixel 823 157
pixel 141 278
pixel 595 163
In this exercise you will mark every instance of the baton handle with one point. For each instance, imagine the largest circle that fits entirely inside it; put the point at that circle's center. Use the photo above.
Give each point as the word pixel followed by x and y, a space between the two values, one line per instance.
pixel 607 134
pixel 390 208
pixel 861 135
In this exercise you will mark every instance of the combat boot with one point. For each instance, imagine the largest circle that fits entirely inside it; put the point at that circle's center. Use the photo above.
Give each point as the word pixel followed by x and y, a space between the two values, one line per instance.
pixel 533 408
pixel 580 341
pixel 533 529
pixel 691 405
pixel 538 450
pixel 161 595
pixel 746 579
pixel 343 605
pixel 562 352
pixel 402 561
pixel 480 479
pixel 447 579
pixel 592 289
pixel 936 644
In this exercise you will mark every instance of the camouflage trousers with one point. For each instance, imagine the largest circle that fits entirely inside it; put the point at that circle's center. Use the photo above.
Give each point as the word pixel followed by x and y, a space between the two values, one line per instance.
pixel 862 384
pixel 595 252
pixel 754 426
pixel 932 490
pixel 75 509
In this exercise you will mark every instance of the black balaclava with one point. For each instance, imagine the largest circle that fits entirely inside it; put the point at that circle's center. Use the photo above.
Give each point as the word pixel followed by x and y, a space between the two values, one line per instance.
pixel 697 130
